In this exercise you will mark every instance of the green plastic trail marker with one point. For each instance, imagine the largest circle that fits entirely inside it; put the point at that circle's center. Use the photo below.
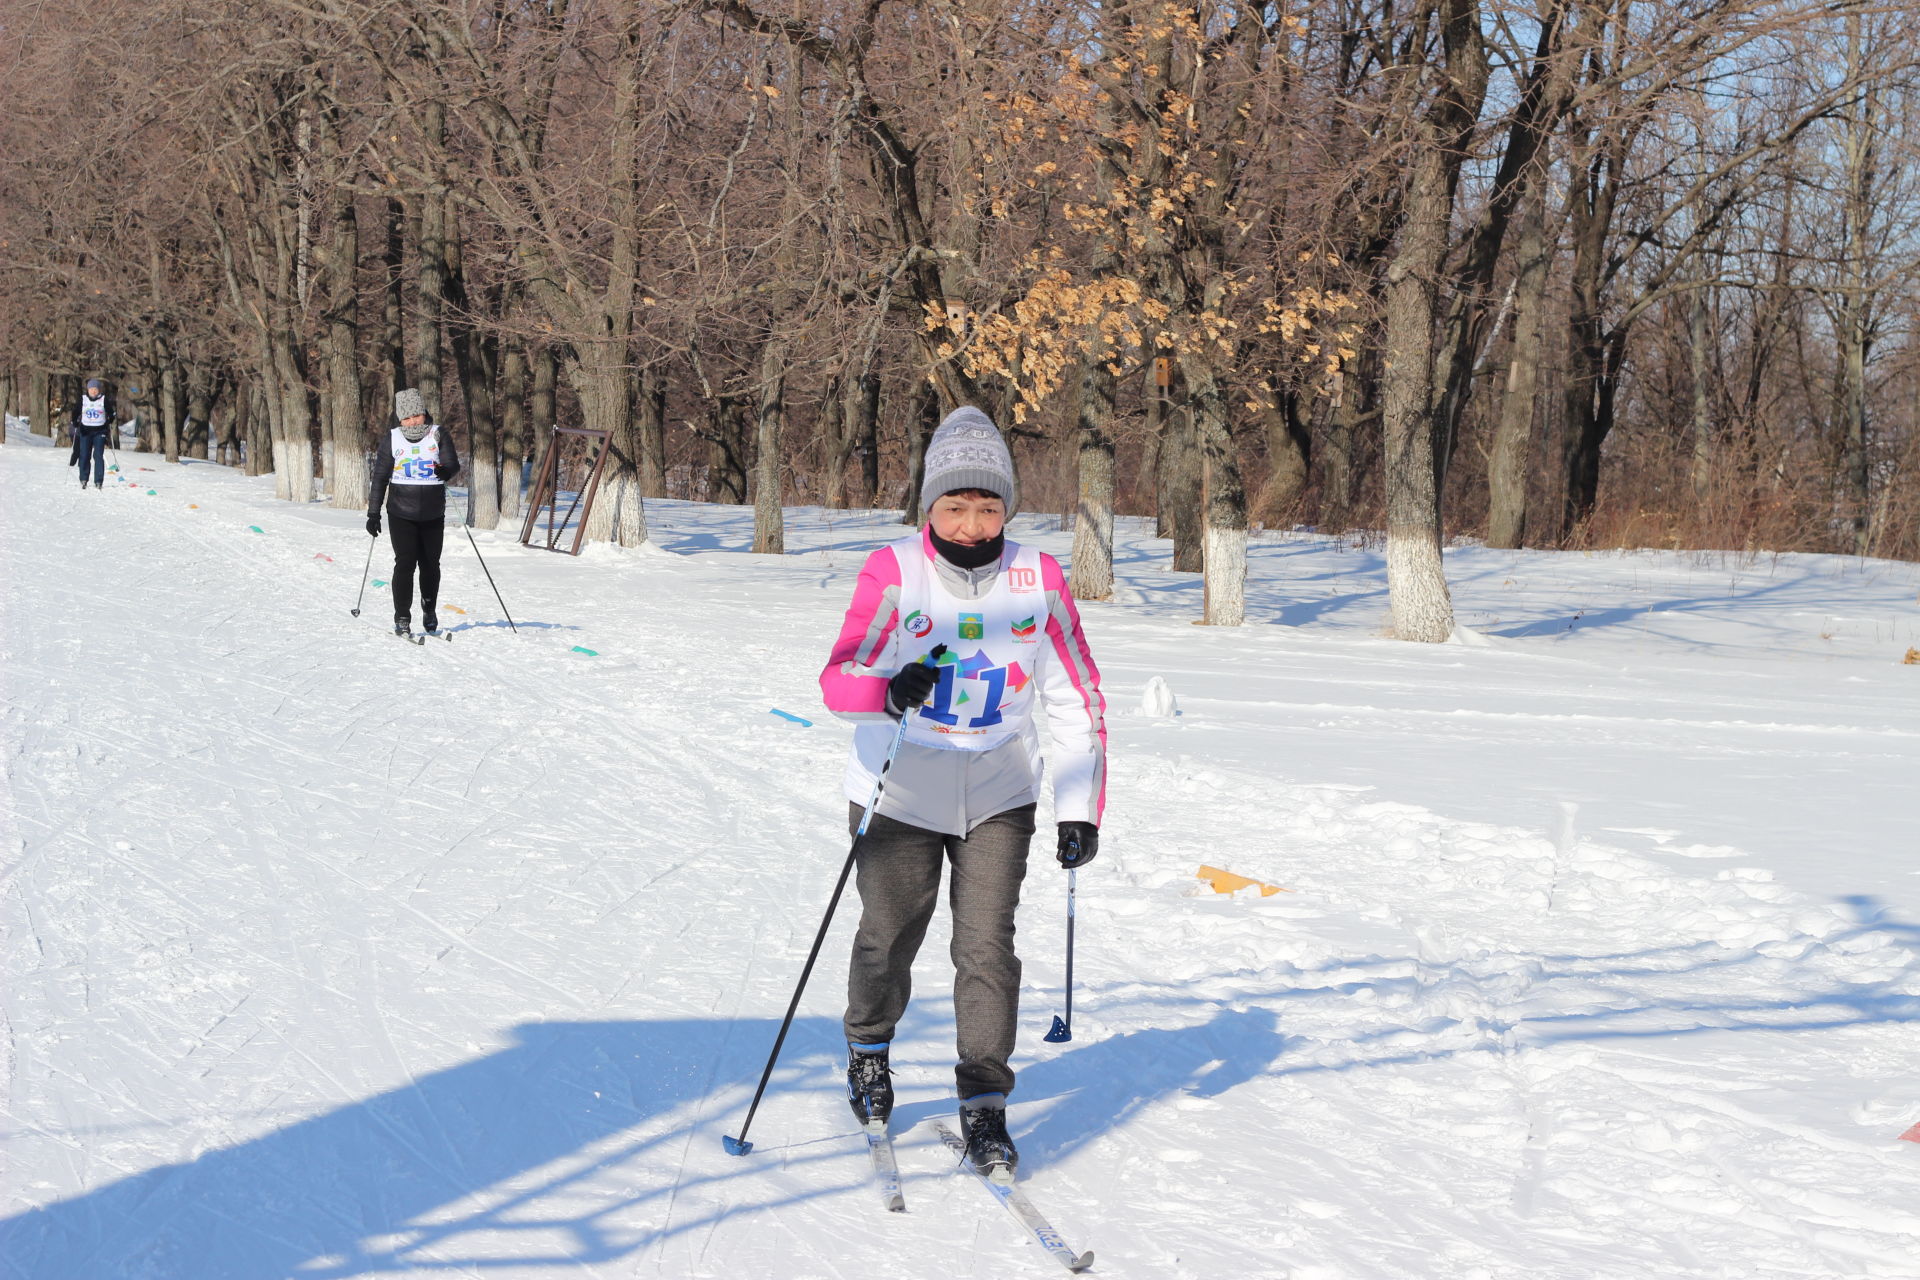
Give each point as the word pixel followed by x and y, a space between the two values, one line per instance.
pixel 256 528
pixel 591 653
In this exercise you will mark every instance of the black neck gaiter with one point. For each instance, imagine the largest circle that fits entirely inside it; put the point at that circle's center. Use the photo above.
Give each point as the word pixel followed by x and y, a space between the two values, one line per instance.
pixel 978 556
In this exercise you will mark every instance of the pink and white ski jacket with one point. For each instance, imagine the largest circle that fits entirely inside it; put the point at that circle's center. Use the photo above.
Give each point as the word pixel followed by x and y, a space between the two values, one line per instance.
pixel 1014 649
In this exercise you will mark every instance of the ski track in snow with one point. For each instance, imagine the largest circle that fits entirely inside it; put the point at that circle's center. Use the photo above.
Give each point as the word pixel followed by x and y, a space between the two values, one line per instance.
pixel 334 957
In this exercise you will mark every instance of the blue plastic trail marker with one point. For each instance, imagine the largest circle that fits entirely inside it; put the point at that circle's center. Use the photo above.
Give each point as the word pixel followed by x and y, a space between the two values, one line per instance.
pixel 788 715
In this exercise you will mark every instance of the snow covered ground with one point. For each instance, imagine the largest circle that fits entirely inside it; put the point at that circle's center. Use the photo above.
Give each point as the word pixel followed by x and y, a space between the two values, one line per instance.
pixel 327 956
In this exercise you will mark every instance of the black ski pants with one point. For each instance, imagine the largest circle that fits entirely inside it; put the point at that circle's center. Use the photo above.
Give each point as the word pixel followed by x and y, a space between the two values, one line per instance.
pixel 416 543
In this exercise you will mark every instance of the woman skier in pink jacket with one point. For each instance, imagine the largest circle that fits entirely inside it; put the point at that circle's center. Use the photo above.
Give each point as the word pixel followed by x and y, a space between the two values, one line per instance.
pixel 966 782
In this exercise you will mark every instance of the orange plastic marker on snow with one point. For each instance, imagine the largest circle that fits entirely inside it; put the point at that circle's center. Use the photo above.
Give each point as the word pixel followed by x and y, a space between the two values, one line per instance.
pixel 1228 882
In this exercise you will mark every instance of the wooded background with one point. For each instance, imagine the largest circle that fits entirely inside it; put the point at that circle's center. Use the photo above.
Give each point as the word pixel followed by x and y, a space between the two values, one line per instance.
pixel 1573 273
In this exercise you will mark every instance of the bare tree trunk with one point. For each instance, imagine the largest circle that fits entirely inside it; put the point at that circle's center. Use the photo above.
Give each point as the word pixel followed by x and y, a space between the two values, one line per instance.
pixel 1180 487
pixel 1416 578
pixel 39 412
pixel 296 422
pixel 867 439
pixel 474 359
pixel 228 432
pixel 259 429
pixel 169 395
pixel 1093 524
pixel 430 271
pixel 650 406
pixel 540 404
pixel 1336 461
pixel 920 427
pixel 599 377
pixel 1512 434
pixel 346 412
pixel 199 415
pixel 769 530
pixel 1224 504
pixel 1700 426
pixel 833 432
pixel 393 347
pixel 513 428
pixel 1859 141
pixel 240 430
pixel 1152 464
pixel 1289 446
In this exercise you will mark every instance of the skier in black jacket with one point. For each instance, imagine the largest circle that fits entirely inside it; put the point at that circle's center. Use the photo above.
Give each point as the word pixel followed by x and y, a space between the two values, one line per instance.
pixel 93 415
pixel 410 475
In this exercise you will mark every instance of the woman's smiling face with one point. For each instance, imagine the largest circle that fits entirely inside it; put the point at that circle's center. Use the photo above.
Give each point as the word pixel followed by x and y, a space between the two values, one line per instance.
pixel 968 517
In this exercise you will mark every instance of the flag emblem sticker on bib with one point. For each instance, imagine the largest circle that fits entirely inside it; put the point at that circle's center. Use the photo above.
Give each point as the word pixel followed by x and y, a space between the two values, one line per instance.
pixel 1024 629
pixel 973 626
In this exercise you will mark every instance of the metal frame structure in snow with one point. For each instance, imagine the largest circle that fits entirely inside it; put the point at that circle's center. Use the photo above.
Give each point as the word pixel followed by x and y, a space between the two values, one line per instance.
pixel 546 493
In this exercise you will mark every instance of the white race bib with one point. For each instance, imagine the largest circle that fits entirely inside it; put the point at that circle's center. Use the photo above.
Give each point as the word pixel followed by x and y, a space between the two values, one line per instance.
pixel 93 411
pixel 986 688
pixel 414 462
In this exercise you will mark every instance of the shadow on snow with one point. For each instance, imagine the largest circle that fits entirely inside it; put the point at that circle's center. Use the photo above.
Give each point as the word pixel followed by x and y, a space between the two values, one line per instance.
pixel 360 1190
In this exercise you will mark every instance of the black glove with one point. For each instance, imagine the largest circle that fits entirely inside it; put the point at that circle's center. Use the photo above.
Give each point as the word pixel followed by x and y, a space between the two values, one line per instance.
pixel 443 473
pixel 1079 844
pixel 910 686
pixel 373 523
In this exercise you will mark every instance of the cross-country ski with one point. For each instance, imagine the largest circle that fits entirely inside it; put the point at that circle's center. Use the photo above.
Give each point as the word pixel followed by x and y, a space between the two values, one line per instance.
pixel 1015 1201
pixel 886 1169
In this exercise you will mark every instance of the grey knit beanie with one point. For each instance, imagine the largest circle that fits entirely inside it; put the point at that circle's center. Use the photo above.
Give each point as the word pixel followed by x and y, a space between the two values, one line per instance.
pixel 407 402
pixel 966 452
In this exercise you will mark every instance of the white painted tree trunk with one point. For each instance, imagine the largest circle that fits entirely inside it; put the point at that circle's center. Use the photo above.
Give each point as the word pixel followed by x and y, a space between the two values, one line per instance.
pixel 1226 575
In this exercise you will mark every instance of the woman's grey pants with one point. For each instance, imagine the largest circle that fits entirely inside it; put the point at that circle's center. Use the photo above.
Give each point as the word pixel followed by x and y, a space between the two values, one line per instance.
pixel 899 882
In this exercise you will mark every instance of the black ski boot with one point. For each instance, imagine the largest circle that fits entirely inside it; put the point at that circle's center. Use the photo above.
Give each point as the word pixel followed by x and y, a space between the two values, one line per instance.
pixel 403 624
pixel 429 619
pixel 869 1085
pixel 983 1123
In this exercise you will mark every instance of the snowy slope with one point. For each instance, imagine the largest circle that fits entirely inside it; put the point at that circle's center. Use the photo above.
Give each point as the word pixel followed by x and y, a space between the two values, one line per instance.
pixel 329 956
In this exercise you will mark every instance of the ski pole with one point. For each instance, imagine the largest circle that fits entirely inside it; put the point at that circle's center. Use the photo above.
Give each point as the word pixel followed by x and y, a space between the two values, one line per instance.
pixel 740 1146
pixel 483 568
pixel 363 575
pixel 1063 1030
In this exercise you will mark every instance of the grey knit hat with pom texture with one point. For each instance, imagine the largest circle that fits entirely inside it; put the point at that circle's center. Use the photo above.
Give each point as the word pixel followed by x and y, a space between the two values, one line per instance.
pixel 967 452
